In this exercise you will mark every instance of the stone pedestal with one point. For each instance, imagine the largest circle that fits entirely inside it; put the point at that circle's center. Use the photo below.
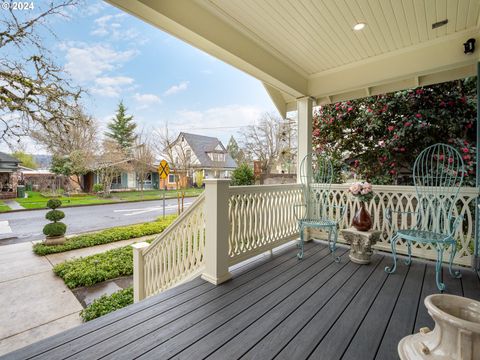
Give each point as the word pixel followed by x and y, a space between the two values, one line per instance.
pixel 360 244
pixel 55 240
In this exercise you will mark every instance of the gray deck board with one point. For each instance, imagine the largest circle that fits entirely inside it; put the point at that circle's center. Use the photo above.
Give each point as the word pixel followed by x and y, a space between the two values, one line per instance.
pixel 274 307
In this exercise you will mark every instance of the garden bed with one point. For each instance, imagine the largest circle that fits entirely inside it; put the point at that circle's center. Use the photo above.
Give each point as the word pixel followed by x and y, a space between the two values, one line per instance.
pixel 106 236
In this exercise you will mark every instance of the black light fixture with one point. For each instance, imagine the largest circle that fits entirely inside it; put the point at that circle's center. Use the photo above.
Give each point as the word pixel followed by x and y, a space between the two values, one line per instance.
pixel 469 46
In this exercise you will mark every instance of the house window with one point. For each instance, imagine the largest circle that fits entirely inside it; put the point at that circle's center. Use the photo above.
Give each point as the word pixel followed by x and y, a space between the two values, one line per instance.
pixel 171 178
pixel 189 156
pixel 117 179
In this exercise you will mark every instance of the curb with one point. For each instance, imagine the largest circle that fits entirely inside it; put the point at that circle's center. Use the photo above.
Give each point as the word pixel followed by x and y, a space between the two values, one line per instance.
pixel 84 205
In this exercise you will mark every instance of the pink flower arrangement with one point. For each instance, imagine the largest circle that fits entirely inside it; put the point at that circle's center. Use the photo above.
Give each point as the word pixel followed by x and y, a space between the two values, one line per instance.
pixel 361 190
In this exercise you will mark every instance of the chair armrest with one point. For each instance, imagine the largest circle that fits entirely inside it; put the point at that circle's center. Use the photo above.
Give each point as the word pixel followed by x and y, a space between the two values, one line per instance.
pixel 295 210
pixel 454 223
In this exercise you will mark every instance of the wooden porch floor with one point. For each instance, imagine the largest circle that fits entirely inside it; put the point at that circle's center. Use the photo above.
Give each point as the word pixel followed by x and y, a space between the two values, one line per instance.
pixel 276 307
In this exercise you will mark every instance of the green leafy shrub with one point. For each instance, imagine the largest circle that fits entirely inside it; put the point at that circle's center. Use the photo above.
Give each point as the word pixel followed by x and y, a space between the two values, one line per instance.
pixel 107 304
pixel 54 203
pixel 90 270
pixel 55 215
pixel 243 175
pixel 55 229
pixel 106 236
pixel 97 188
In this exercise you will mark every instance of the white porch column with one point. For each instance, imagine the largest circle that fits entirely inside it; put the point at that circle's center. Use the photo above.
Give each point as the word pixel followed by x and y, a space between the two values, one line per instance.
pixel 217 229
pixel 305 112
pixel 138 271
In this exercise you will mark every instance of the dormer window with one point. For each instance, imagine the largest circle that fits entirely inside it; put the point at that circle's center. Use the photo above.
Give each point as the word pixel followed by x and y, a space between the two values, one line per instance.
pixel 216 156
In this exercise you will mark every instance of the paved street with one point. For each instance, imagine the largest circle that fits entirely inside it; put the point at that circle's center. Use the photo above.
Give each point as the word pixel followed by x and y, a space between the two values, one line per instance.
pixel 24 226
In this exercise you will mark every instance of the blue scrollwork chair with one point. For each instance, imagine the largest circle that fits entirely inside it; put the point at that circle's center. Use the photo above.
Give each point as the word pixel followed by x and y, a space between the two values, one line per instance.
pixel 437 175
pixel 315 211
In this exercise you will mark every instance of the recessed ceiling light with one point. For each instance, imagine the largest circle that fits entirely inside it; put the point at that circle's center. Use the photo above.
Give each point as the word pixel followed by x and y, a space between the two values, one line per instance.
pixel 359 26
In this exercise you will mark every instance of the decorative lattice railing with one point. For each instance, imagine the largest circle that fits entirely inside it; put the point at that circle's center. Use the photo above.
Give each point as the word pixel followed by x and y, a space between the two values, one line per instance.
pixel 403 198
pixel 261 218
pixel 177 253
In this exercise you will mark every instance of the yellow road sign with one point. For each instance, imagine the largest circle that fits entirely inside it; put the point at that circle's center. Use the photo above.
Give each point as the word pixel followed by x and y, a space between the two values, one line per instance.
pixel 163 169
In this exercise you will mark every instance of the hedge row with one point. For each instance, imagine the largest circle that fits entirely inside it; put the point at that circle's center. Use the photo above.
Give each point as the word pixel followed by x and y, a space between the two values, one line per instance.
pixel 106 236
pixel 108 303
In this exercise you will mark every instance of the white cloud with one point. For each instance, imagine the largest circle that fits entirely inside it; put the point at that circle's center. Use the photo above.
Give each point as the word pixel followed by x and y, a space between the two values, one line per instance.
pixel 113 27
pixel 112 86
pixel 88 62
pixel 218 121
pixel 94 9
pixel 176 88
pixel 145 100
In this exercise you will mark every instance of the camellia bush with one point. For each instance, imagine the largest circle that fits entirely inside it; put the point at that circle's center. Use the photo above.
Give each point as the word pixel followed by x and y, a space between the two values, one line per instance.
pixel 379 137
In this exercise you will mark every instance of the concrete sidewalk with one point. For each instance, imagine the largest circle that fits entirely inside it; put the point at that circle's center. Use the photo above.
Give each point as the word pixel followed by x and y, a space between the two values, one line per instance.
pixel 36 303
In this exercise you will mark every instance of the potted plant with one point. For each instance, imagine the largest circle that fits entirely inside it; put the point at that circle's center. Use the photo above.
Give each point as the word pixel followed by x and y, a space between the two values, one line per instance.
pixel 55 230
pixel 362 221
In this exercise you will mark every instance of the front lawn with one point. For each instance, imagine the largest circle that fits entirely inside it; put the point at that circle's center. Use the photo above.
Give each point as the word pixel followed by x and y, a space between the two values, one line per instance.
pixel 106 236
pixel 153 194
pixel 4 207
pixel 36 201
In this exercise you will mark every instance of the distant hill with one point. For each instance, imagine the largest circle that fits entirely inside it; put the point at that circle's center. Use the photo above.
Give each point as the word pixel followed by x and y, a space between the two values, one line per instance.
pixel 43 161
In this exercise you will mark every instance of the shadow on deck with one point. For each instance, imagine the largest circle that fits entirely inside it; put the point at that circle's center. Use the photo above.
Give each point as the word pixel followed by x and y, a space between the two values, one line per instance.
pixel 275 307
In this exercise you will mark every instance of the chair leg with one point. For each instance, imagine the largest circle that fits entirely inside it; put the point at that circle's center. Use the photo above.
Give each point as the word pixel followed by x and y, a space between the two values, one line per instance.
pixel 333 247
pixel 300 244
pixel 409 249
pixel 393 243
pixel 438 268
pixel 456 274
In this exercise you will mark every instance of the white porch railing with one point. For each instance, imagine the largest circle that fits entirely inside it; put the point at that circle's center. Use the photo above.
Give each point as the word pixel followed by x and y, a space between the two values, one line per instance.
pixel 261 218
pixel 241 222
pixel 403 198
pixel 174 256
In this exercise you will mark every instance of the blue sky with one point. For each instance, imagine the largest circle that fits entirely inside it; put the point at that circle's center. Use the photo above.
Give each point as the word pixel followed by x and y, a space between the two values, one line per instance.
pixel 114 56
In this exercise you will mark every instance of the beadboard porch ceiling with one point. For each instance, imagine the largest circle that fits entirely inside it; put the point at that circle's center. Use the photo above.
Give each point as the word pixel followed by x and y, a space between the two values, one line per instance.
pixel 309 48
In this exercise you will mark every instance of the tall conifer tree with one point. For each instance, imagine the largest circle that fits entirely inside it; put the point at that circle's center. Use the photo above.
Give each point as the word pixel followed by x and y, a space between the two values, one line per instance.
pixel 122 128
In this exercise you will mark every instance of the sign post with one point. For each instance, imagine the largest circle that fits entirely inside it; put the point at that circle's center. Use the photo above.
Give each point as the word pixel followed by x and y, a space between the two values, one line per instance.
pixel 163 171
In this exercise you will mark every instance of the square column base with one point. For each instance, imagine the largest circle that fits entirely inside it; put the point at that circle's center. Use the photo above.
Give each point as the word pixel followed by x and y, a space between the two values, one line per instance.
pixel 216 280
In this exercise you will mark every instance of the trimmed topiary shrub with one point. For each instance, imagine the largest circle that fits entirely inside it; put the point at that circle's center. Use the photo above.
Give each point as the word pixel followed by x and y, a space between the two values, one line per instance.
pixel 55 215
pixel 54 204
pixel 55 228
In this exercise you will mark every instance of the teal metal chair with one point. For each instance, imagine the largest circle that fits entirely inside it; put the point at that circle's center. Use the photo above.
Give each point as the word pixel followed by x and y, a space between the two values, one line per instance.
pixel 315 210
pixel 438 175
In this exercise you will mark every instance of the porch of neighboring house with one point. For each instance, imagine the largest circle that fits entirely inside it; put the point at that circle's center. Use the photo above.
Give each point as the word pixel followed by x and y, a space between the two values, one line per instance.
pixel 273 307
pixel 126 181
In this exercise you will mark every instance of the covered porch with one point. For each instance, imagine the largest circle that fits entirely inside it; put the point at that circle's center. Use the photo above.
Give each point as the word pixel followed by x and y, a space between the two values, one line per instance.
pixel 274 307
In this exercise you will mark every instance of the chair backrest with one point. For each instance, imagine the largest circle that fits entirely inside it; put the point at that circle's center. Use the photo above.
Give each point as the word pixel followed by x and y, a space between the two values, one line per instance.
pixel 438 175
pixel 316 180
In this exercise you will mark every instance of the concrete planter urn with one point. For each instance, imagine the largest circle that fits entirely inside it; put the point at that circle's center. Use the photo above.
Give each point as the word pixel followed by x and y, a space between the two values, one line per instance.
pixel 55 240
pixel 456 334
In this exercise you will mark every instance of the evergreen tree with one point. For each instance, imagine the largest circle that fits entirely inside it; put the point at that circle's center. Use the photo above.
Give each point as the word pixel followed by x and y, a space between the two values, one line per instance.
pixel 122 128
pixel 234 150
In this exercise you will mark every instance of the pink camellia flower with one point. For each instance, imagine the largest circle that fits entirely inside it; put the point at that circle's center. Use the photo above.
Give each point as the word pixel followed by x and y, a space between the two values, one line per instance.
pixel 349 109
pixel 393 172
pixel 442 104
pixel 402 149
pixel 316 132
pixel 419 91
pixel 391 128
pixel 355 188
pixel 441 157
pixel 381 143
pixel 450 160
pixel 469 125
pixel 465 150
pixel 418 116
pixel 356 163
pixel 466 157
pixel 396 137
pixel 407 124
pixel 392 164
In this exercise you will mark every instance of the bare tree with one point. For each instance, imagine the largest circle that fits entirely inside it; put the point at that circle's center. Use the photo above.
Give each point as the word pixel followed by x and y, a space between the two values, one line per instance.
pixel 35 93
pixel 143 157
pixel 75 143
pixel 176 151
pixel 265 140
pixel 111 163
